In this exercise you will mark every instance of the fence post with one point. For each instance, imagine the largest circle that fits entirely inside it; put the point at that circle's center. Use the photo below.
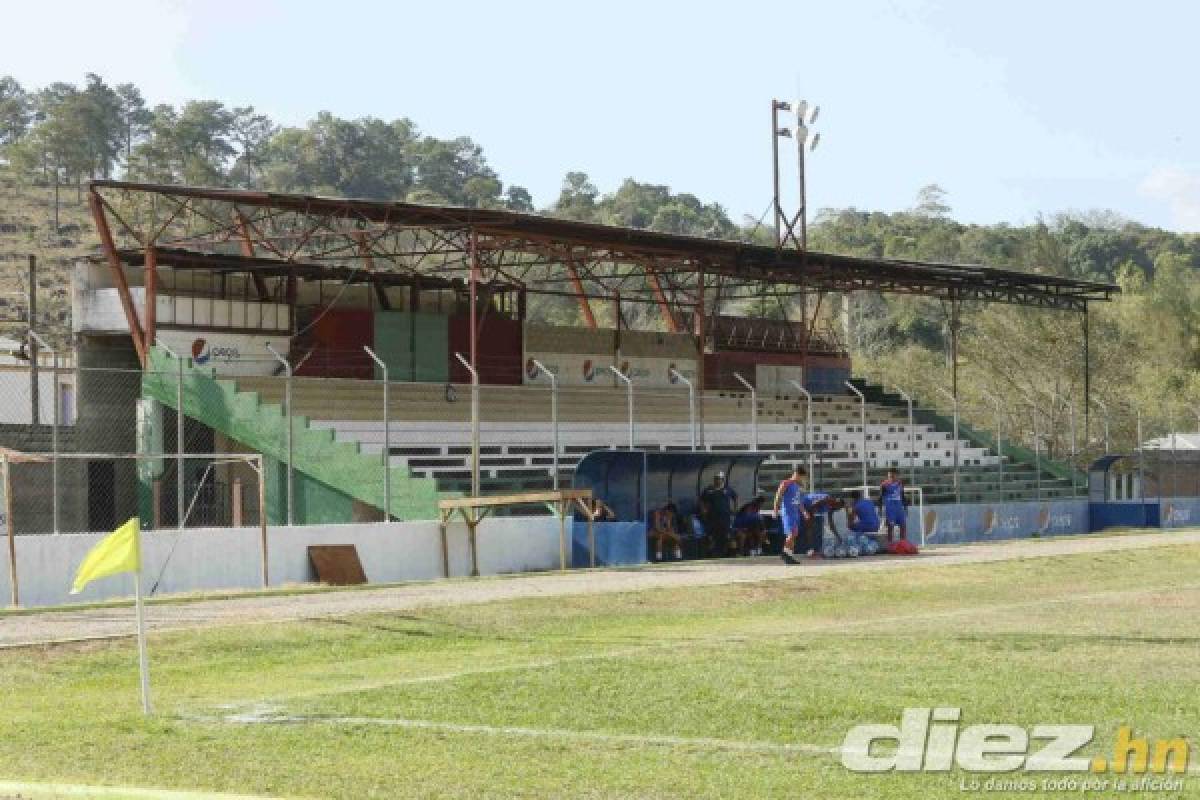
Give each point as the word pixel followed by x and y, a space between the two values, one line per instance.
pixel 387 437
pixel 862 415
pixel 957 485
pixel 179 442
pixel 629 393
pixel 1104 411
pixel 287 413
pixel 999 406
pixel 35 339
pixel 1074 449
pixel 691 402
pixel 553 412
pixel 1037 451
pixel 753 410
pixel 474 423
pixel 1141 459
pixel 12 529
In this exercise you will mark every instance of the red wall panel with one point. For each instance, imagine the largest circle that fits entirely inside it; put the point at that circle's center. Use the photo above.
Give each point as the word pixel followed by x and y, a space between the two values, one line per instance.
pixel 500 349
pixel 337 339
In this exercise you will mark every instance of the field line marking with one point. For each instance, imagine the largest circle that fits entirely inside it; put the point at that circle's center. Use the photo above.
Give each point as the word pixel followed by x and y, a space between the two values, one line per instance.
pixel 696 642
pixel 549 733
pixel 37 791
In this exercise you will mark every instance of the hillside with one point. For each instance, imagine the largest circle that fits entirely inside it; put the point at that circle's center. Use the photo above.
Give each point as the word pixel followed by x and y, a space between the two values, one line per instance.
pixel 27 227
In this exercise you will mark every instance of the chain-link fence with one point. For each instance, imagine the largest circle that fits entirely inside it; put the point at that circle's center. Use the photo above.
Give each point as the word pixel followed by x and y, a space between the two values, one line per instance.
pixel 382 447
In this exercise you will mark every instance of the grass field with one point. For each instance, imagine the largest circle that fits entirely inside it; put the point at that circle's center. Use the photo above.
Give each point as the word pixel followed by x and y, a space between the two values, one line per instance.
pixel 734 691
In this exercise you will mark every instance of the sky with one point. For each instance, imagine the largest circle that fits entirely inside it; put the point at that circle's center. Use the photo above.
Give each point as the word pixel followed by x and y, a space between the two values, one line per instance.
pixel 1017 109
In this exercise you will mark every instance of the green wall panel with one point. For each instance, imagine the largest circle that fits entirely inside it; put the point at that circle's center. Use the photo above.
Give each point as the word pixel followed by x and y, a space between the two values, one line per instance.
pixel 414 345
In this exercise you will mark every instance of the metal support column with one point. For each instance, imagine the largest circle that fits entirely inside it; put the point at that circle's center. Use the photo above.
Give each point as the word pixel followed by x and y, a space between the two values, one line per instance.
pixel 807 427
pixel 691 402
pixel 912 438
pixel 553 412
pixel 288 417
pixel 753 410
pixel 862 418
pixel 629 393
pixel 474 423
pixel 387 435
pixel 34 341
pixel 957 460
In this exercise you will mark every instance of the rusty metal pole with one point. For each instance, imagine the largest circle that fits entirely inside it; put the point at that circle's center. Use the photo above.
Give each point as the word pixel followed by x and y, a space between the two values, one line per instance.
pixel 35 388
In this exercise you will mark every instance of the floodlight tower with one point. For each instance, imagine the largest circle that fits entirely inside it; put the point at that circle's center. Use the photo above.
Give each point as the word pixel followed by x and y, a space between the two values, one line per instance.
pixel 785 226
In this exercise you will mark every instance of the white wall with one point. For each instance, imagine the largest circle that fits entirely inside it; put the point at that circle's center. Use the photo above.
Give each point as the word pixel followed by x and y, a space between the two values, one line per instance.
pixel 230 558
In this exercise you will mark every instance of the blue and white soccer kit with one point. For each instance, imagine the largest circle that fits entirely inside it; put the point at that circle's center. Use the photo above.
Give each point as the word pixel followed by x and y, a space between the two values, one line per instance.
pixel 893 502
pixel 789 507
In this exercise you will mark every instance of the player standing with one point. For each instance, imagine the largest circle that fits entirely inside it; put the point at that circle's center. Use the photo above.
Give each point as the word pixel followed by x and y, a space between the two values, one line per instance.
pixel 789 499
pixel 894 504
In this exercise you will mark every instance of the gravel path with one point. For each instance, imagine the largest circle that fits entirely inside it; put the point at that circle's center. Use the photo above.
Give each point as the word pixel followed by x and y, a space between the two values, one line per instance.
pixel 22 630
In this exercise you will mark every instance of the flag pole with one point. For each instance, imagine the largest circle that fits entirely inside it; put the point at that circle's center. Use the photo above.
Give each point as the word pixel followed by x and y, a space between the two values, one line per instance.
pixel 143 658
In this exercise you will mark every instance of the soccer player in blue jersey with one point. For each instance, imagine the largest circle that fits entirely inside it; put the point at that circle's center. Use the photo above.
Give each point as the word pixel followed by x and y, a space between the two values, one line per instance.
pixel 894 504
pixel 863 517
pixel 788 508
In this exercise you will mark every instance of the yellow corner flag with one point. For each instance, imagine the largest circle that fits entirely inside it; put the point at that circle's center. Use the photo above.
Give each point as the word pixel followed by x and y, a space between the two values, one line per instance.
pixel 115 553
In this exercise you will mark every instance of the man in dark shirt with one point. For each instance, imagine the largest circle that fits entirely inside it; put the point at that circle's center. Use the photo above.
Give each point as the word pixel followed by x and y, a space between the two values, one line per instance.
pixel 716 510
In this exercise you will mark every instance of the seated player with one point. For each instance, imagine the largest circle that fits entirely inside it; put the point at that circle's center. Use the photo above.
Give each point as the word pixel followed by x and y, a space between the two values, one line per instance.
pixel 818 507
pixel 665 528
pixel 750 528
pixel 861 515
pixel 787 508
pixel 894 504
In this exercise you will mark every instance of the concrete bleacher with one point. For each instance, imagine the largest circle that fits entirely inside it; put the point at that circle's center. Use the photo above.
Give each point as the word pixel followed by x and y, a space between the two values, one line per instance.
pixel 430 434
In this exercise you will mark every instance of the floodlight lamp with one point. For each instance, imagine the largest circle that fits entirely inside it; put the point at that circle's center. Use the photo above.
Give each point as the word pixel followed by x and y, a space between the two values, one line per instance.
pixel 812 118
pixel 801 133
pixel 816 138
pixel 784 132
pixel 801 110
pixel 782 105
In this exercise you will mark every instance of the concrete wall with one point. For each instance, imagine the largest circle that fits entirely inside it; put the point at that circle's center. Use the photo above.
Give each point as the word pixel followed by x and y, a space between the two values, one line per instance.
pixel 230 558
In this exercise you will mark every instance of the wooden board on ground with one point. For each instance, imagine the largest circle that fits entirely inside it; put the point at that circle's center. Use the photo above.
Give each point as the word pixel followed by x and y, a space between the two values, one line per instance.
pixel 337 564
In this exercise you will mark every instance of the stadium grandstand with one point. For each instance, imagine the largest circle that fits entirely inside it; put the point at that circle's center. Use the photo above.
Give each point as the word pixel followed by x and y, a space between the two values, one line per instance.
pixel 624 324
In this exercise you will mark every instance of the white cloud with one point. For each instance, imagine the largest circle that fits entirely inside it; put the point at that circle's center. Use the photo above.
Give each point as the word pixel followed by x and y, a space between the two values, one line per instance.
pixel 1180 190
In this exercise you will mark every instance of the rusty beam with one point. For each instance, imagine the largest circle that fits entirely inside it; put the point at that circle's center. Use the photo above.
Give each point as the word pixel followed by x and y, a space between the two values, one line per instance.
pixel 118 273
pixel 150 276
pixel 260 284
pixel 581 296
pixel 660 297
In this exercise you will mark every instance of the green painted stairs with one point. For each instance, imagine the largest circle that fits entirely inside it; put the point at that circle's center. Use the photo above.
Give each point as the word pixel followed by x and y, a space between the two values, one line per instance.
pixel 329 475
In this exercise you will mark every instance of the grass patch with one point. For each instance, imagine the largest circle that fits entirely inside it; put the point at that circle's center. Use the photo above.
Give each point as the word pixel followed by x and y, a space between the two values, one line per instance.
pixel 694 692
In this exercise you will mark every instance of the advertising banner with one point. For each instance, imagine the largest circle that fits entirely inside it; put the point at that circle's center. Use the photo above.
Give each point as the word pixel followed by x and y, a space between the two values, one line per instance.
pixel 230 354
pixel 1179 512
pixel 981 522
pixel 592 369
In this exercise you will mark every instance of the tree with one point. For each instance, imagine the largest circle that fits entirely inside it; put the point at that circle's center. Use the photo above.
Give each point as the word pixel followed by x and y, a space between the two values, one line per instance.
pixel 518 198
pixel 134 118
pixel 931 201
pixel 251 135
pixel 16 111
pixel 577 198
